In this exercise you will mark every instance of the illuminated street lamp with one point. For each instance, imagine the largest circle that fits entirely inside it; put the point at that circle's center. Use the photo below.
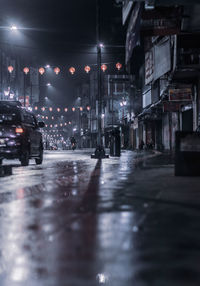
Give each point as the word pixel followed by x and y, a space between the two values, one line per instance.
pixel 48 84
pixel 13 28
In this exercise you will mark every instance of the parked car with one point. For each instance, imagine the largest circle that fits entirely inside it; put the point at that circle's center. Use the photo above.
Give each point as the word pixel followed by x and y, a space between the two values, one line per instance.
pixel 20 136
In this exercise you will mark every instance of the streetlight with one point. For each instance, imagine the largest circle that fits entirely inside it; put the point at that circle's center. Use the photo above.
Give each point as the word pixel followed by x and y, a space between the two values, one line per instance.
pixel 48 84
pixel 99 152
pixel 13 28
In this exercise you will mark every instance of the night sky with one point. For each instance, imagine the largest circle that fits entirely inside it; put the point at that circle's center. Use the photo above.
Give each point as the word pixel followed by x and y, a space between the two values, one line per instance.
pixel 61 32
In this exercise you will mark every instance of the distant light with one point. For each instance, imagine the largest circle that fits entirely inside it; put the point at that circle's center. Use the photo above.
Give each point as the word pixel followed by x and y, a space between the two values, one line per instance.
pixel 104 67
pixel 101 45
pixel 56 70
pixel 13 28
pixel 26 70
pixel 65 109
pixel 118 66
pixel 73 109
pixel 87 69
pixel 74 129
pixel 47 66
pixel 10 69
pixel 48 84
pixel 72 70
pixel 41 71
pixel 46 97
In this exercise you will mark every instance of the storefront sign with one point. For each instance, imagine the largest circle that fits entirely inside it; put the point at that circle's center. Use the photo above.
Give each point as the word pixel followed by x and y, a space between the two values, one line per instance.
pixel 171 106
pixel 180 94
pixel 161 22
pixel 158 61
pixel 162 60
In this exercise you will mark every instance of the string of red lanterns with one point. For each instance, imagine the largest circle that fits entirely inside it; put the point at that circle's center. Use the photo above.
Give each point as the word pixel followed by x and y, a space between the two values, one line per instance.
pixel 72 70
pixel 59 109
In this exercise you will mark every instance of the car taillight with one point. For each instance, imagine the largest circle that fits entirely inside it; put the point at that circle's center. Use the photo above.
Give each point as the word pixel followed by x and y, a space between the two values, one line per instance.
pixel 19 130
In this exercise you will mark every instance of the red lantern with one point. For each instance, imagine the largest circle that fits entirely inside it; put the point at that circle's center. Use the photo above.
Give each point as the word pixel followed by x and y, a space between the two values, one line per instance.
pixel 81 108
pixel 56 70
pixel 10 69
pixel 66 109
pixel 118 66
pixel 73 109
pixel 50 108
pixel 41 71
pixel 72 70
pixel 88 108
pixel 104 67
pixel 26 70
pixel 58 109
pixel 87 69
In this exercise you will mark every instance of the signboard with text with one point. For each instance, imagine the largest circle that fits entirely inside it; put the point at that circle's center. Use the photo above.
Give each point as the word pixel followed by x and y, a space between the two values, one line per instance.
pixel 180 94
pixel 171 106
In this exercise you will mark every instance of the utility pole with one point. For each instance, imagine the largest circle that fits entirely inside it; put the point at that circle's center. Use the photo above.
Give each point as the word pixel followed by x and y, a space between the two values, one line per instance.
pixel 99 97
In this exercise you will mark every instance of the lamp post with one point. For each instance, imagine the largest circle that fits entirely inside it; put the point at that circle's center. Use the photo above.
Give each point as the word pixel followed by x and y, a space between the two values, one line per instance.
pixel 26 71
pixel 99 152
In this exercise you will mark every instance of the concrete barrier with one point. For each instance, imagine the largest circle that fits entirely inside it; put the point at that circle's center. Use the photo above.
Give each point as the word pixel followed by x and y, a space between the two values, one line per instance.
pixel 5 170
pixel 187 154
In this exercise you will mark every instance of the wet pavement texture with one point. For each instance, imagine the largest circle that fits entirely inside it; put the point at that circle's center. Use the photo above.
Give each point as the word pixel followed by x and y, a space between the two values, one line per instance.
pixel 78 221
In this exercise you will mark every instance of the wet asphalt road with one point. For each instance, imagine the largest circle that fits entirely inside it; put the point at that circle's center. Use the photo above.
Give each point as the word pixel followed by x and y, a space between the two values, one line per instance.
pixel 77 221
